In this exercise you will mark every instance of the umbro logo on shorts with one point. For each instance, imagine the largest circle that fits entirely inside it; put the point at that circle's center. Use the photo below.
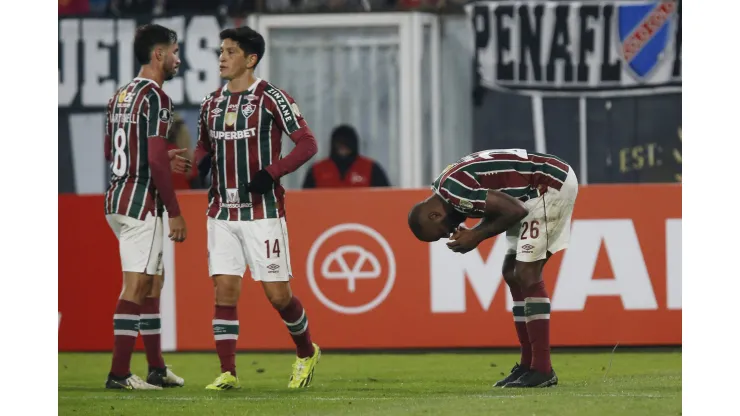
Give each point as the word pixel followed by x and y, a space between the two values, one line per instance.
pixel 273 268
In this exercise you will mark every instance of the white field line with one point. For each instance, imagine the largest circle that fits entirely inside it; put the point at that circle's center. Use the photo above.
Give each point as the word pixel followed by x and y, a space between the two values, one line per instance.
pixel 129 396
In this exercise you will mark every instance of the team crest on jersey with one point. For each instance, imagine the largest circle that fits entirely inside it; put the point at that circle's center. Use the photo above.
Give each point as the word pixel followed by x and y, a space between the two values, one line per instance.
pixel 230 119
pixel 248 109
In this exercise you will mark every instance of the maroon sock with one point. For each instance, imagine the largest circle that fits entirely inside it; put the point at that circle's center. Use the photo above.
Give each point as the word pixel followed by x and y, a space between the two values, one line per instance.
pixel 537 311
pixel 296 320
pixel 520 322
pixel 226 332
pixel 150 328
pixel 125 330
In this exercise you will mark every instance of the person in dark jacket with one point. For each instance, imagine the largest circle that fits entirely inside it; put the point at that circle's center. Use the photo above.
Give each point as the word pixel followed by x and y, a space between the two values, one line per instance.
pixel 345 167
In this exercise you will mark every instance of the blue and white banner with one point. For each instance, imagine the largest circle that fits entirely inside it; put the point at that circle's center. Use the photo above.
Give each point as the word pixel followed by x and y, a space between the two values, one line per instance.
pixel 578 48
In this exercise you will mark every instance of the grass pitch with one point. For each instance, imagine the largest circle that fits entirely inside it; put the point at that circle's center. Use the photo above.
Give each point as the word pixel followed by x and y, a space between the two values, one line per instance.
pixel 638 383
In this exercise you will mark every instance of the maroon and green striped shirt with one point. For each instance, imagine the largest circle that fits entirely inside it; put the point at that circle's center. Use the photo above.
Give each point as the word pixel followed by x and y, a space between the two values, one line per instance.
pixel 139 110
pixel 516 172
pixel 243 132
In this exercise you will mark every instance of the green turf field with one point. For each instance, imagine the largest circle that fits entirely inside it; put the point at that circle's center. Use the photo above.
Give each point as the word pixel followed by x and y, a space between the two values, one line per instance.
pixel 638 383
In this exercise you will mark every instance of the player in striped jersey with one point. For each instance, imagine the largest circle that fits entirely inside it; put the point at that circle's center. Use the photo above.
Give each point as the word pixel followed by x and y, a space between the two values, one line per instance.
pixel 239 137
pixel 137 121
pixel 530 196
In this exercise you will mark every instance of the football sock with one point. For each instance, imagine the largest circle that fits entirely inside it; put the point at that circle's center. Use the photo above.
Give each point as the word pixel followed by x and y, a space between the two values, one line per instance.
pixel 520 323
pixel 125 330
pixel 537 312
pixel 296 320
pixel 226 332
pixel 150 328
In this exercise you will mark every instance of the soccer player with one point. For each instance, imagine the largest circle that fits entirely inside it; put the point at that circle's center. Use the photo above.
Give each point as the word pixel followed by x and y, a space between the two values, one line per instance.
pixel 239 138
pixel 530 196
pixel 138 118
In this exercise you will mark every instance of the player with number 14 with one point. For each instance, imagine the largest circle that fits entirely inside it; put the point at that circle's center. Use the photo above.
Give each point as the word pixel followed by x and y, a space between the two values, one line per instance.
pixel 239 140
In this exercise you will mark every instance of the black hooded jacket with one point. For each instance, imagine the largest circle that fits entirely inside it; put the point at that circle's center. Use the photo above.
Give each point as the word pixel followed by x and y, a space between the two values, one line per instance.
pixel 347 136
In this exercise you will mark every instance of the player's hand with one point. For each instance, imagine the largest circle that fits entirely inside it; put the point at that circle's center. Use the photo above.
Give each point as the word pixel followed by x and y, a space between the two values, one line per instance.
pixel 261 183
pixel 179 164
pixel 464 240
pixel 178 230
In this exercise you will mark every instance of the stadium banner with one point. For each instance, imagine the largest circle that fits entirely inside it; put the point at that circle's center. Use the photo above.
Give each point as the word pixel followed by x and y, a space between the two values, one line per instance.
pixel 596 82
pixel 367 283
pixel 578 48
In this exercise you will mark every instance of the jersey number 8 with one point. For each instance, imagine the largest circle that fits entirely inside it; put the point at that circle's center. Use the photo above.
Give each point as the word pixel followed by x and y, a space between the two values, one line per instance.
pixel 120 162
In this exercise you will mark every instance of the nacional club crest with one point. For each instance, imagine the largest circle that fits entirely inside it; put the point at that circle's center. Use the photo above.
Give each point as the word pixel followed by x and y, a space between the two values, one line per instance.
pixel 644 32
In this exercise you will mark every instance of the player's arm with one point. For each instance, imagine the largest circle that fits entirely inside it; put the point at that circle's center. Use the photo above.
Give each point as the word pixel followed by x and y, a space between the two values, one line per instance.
pixel 159 120
pixel 291 121
pixel 501 213
pixel 203 149
pixel 108 145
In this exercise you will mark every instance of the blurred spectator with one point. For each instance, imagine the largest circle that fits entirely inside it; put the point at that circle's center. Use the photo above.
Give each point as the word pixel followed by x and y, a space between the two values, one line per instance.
pixel 99 7
pixel 345 167
pixel 133 7
pixel 73 7
pixel 240 7
pixel 198 6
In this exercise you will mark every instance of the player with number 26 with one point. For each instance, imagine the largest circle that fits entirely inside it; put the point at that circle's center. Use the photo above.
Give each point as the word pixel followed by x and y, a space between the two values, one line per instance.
pixel 530 196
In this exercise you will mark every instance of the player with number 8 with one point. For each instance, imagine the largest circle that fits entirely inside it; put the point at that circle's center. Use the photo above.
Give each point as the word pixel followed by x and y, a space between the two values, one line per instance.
pixel 138 119
pixel 530 196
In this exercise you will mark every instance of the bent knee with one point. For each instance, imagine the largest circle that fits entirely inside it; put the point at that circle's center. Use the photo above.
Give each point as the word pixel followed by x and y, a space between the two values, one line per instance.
pixel 508 271
pixel 528 274
pixel 510 277
pixel 227 291
pixel 280 301
pixel 137 284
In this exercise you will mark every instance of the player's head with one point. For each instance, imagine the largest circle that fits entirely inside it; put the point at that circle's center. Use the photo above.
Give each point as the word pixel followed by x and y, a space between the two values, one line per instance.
pixel 242 49
pixel 156 46
pixel 431 220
